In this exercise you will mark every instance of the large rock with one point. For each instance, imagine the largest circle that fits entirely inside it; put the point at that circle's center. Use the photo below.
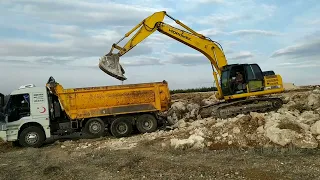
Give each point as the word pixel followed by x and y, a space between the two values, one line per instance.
pixel 193 110
pixel 176 112
pixel 314 101
pixel 182 110
pixel 315 128
pixel 308 117
pixel 305 141
pixel 209 101
pixel 194 142
pixel 281 137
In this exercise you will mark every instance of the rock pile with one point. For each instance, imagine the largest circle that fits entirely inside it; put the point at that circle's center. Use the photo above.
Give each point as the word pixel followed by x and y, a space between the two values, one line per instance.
pixel 187 111
pixel 296 124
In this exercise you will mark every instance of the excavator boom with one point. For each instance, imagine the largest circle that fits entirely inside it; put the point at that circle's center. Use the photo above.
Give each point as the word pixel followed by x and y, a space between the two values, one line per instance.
pixel 212 50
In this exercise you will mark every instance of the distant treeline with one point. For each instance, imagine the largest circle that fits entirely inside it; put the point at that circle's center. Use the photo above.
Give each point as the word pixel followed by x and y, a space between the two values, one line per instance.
pixel 203 89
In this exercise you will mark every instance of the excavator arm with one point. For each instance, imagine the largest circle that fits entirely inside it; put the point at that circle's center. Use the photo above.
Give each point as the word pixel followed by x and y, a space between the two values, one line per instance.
pixel 211 49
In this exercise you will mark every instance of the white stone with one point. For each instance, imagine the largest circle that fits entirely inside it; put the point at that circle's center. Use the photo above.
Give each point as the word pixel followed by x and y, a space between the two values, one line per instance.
pixel 236 130
pixel 280 136
pixel 315 128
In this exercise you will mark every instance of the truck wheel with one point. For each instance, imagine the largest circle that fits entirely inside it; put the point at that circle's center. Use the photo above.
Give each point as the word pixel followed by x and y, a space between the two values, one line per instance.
pixel 95 127
pixel 121 127
pixel 146 123
pixel 32 136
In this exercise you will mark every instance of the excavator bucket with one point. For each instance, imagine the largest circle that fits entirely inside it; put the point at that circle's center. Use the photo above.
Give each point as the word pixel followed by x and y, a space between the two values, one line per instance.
pixel 109 64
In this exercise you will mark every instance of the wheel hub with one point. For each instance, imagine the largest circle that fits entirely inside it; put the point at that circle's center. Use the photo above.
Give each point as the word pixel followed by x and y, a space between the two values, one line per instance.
pixel 147 124
pixel 31 138
pixel 122 128
pixel 95 127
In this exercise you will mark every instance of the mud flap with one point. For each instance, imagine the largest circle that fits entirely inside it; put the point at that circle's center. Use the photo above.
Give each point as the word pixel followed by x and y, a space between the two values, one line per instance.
pixel 109 64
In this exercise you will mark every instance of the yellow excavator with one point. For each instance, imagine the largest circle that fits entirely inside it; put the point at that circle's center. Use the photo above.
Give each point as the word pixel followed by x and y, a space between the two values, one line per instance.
pixel 242 88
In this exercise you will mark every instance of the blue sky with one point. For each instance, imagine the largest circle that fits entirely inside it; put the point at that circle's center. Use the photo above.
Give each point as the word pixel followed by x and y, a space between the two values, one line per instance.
pixel 64 39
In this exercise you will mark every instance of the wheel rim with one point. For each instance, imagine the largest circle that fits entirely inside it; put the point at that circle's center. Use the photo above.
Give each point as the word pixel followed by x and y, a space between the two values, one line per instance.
pixel 95 127
pixel 122 128
pixel 147 124
pixel 32 138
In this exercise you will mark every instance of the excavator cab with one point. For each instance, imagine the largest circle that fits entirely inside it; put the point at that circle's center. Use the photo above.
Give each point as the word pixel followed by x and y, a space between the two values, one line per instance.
pixel 241 78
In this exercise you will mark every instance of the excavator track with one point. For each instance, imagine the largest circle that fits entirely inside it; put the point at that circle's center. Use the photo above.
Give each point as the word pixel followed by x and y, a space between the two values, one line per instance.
pixel 231 109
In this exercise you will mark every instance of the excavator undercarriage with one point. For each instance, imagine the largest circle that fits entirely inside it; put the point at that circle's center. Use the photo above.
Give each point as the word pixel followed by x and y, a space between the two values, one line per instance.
pixel 231 109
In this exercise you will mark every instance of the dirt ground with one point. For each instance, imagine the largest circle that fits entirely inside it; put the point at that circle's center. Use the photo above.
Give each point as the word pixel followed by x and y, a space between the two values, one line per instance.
pixel 150 156
pixel 150 161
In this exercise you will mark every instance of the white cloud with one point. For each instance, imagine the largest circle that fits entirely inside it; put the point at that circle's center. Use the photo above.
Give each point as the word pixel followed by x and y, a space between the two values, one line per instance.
pixel 241 32
pixel 81 12
pixel 305 49
pixel 140 61
pixel 221 19
pixel 246 32
pixel 211 32
pixel 205 1
pixel 242 56
pixel 269 9
pixel 186 59
pixel 313 22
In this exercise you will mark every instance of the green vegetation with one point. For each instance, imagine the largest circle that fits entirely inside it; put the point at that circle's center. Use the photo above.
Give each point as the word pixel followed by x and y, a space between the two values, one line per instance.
pixel 203 89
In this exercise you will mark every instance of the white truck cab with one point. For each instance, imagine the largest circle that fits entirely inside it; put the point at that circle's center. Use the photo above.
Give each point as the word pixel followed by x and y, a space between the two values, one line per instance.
pixel 26 117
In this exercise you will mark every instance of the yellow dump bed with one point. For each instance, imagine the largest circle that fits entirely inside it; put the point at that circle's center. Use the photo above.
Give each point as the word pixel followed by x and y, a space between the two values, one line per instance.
pixel 88 102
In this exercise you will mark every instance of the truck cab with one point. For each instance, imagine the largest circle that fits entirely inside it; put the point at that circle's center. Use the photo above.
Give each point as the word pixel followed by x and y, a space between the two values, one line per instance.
pixel 26 116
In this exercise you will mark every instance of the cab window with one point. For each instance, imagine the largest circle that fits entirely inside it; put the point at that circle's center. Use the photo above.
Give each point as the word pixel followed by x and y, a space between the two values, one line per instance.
pixel 257 71
pixel 18 107
pixel 250 74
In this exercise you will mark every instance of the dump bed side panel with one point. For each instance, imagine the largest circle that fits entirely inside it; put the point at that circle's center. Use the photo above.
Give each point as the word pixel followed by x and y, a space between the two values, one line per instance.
pixel 112 100
pixel 165 97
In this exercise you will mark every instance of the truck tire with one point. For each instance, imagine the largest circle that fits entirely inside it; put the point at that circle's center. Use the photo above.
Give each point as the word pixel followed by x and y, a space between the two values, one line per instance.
pixel 121 127
pixel 146 123
pixel 32 136
pixel 95 127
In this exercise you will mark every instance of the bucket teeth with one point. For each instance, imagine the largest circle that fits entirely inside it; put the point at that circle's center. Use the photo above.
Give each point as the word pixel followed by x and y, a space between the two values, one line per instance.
pixel 111 66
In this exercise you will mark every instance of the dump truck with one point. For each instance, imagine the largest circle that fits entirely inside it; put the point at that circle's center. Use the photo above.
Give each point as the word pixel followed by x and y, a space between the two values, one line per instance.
pixel 34 114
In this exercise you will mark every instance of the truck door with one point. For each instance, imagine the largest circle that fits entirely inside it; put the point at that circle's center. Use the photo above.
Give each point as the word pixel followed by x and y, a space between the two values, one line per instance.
pixel 18 107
